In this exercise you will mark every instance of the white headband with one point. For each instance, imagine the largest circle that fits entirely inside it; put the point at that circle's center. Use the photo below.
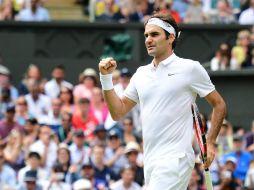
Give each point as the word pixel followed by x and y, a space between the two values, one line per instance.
pixel 166 26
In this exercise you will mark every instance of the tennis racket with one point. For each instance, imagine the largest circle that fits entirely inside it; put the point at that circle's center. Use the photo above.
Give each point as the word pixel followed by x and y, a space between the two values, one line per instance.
pixel 201 137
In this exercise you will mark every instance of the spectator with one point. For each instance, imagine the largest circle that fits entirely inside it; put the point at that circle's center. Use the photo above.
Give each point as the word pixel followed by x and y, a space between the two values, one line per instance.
pixel 67 100
pixel 124 15
pixel 53 87
pixel 64 158
pixel 194 181
pixel 129 134
pixel 46 147
pixel 100 134
pixel 227 177
pixel 88 172
pixel 38 103
pixel 88 80
pixel 7 12
pixel 221 61
pixel 132 151
pixel 82 184
pixel 114 153
pixel 249 139
pixel 30 181
pixel 166 6
pixel 13 152
pixel 33 13
pixel 65 132
pixel 56 181
pixel 5 82
pixel 7 174
pixel 242 157
pixel 79 153
pixel 127 180
pixel 249 180
pixel 247 16
pixel 5 100
pixel 181 7
pixel 84 119
pixel 105 9
pixel 33 72
pixel 31 130
pixel 7 124
pixel 102 172
pixel 22 113
pixel 98 106
pixel 224 14
pixel 224 139
pixel 194 13
pixel 33 163
pixel 53 118
pixel 239 52
pixel 143 10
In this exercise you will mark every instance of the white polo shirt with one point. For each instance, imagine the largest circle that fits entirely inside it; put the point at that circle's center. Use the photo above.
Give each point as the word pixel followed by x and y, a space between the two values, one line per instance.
pixel 165 95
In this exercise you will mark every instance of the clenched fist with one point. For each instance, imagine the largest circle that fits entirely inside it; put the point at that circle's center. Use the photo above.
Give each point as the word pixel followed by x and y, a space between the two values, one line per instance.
pixel 107 65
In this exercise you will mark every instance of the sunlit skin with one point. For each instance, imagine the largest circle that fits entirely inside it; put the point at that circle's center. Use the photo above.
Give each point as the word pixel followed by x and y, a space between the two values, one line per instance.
pixel 157 44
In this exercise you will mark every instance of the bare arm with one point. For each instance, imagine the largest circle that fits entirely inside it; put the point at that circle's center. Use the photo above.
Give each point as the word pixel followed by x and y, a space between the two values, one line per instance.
pixel 118 107
pixel 218 114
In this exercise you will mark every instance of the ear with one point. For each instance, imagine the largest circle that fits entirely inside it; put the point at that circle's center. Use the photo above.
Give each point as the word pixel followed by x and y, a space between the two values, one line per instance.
pixel 171 38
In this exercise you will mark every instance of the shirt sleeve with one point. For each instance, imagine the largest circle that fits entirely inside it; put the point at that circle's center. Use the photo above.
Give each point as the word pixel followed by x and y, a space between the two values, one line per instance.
pixel 200 81
pixel 131 90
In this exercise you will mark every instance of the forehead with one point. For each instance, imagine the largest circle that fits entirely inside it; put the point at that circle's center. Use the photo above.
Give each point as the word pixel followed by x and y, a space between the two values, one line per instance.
pixel 149 28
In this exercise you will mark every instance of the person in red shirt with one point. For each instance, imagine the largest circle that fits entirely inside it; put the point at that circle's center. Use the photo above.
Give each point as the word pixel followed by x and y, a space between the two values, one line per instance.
pixel 165 6
pixel 84 119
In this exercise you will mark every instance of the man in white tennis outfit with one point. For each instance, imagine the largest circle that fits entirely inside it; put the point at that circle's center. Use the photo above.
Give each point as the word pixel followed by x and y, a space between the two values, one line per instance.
pixel 165 90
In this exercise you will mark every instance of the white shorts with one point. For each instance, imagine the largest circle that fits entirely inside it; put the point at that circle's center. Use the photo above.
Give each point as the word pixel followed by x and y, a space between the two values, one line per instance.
pixel 169 174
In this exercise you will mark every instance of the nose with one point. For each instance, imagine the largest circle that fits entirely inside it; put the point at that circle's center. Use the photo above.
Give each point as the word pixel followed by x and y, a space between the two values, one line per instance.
pixel 148 40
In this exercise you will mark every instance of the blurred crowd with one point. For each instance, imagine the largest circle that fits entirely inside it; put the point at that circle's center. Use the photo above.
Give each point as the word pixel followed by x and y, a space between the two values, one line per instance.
pixel 58 135
pixel 122 11
pixel 241 55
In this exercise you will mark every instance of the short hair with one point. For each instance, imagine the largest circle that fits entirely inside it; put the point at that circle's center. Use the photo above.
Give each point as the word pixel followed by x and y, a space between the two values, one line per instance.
pixel 169 19
pixel 34 155
pixel 61 67
pixel 84 101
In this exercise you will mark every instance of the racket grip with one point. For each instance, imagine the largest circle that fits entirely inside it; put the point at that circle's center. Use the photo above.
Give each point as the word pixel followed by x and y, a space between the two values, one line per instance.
pixel 208 180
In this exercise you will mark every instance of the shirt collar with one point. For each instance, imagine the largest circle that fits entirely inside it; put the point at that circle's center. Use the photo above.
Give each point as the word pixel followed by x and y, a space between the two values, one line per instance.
pixel 168 60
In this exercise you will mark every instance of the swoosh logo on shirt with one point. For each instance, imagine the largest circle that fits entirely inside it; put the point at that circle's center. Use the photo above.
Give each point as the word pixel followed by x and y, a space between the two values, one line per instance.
pixel 171 74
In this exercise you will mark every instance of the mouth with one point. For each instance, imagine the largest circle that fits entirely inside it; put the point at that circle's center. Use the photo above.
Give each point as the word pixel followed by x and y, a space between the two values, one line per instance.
pixel 150 47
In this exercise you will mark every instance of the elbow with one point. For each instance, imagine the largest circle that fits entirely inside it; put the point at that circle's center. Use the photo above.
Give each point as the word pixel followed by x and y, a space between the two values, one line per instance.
pixel 116 117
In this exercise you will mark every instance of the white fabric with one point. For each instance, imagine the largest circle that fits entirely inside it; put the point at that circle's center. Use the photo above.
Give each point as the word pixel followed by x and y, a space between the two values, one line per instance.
pixel 170 174
pixel 52 88
pixel 158 22
pixel 26 14
pixel 247 16
pixel 106 81
pixel 39 147
pixel 40 107
pixel 119 186
pixel 77 155
pixel 42 175
pixel 165 95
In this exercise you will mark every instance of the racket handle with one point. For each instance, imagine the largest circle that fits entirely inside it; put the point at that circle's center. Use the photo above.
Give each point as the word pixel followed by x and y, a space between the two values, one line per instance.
pixel 208 180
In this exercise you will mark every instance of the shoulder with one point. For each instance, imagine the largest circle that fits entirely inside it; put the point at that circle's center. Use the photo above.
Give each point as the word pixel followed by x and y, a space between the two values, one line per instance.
pixel 8 170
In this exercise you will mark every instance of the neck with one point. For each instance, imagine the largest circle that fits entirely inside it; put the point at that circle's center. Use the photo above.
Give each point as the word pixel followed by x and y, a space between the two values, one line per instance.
pixel 126 184
pixel 159 58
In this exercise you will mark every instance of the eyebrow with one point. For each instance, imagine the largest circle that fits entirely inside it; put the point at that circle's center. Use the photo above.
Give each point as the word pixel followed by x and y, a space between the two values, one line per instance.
pixel 151 33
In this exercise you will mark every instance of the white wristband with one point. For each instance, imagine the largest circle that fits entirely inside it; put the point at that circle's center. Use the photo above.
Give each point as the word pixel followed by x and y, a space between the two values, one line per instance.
pixel 106 81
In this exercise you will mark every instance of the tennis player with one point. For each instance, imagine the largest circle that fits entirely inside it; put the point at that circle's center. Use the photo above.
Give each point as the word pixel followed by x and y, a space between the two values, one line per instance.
pixel 165 89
